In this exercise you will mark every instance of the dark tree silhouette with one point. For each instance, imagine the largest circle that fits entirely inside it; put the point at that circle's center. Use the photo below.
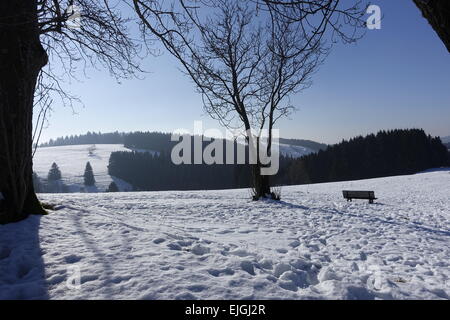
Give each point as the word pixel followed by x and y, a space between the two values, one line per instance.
pixel 437 13
pixel 247 58
pixel 54 173
pixel 35 34
pixel 112 187
pixel 89 179
pixel 37 183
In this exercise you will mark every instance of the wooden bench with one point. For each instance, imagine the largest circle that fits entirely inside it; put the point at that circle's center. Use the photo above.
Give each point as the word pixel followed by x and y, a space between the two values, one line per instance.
pixel 350 195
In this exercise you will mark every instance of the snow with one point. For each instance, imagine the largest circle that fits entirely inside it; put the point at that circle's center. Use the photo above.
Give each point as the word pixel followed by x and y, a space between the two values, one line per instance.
pixel 220 245
pixel 445 139
pixel 294 151
pixel 72 160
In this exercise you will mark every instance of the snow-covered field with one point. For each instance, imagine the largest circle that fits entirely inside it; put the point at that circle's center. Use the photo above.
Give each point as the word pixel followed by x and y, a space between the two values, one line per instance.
pixel 220 245
pixel 72 160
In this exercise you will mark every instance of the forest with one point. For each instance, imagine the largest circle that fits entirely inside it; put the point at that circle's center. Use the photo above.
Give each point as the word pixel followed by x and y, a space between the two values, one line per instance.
pixel 387 153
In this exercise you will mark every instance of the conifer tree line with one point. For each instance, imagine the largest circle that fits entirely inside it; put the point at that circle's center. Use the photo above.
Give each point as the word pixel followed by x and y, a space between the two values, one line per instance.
pixel 149 140
pixel 88 138
pixel 150 171
pixel 386 153
pixel 447 145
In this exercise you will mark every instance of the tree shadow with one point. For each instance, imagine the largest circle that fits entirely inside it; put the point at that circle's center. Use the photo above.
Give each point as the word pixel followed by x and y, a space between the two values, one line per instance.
pixel 100 257
pixel 367 217
pixel 291 205
pixel 22 268
pixel 443 169
pixel 374 219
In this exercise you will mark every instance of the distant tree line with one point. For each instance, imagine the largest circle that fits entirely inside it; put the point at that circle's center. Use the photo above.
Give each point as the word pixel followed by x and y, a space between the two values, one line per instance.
pixel 155 171
pixel 88 138
pixel 155 141
pixel 387 153
pixel 447 145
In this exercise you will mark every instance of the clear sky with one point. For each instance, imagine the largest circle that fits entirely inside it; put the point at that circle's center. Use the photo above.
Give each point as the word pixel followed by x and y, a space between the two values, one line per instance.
pixel 396 77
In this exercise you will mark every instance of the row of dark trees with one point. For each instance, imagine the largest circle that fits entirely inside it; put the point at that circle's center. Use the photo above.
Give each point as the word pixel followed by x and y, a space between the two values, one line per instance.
pixel 155 170
pixel 88 138
pixel 151 172
pixel 149 140
pixel 387 153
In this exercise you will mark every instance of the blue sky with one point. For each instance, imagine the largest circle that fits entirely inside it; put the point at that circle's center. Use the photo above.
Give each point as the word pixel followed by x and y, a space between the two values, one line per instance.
pixel 396 77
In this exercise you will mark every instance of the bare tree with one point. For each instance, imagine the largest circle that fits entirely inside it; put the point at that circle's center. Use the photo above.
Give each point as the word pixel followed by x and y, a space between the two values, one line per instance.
pixel 32 34
pixel 247 58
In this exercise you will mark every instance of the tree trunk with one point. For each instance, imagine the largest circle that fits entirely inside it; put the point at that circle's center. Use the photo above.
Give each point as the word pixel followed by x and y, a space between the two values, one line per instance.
pixel 437 13
pixel 261 184
pixel 21 59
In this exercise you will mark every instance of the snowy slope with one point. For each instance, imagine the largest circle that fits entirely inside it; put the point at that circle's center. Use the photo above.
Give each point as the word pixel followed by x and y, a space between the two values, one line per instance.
pixel 220 245
pixel 72 161
pixel 294 151
pixel 445 139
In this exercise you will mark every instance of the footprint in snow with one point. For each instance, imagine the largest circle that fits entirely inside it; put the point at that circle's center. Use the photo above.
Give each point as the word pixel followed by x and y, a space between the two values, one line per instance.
pixel 199 250
pixel 174 246
pixel 158 240
pixel 218 273
pixel 197 288
pixel 72 258
pixel 247 266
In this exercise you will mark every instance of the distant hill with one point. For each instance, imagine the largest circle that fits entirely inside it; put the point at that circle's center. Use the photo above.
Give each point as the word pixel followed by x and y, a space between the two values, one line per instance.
pixel 316 146
pixel 88 138
pixel 160 142
pixel 142 161
pixel 71 160
pixel 445 139
pixel 387 153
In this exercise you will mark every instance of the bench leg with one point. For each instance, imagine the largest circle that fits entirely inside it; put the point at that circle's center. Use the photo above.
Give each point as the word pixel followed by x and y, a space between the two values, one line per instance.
pixel 370 200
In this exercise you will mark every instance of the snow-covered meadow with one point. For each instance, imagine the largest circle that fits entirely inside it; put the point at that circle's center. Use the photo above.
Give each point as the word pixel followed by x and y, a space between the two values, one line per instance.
pixel 220 245
pixel 72 160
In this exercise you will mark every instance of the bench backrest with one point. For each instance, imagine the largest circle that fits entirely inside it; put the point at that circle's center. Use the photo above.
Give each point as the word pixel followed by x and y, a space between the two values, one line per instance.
pixel 359 194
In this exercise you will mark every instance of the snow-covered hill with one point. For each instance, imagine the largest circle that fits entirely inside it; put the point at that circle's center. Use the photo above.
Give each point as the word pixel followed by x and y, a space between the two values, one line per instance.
pixel 221 245
pixel 72 161
pixel 294 151
pixel 445 139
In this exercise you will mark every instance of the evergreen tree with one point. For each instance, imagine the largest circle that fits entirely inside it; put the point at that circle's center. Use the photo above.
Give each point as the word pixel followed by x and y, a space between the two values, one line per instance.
pixel 89 179
pixel 37 183
pixel 54 174
pixel 112 187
